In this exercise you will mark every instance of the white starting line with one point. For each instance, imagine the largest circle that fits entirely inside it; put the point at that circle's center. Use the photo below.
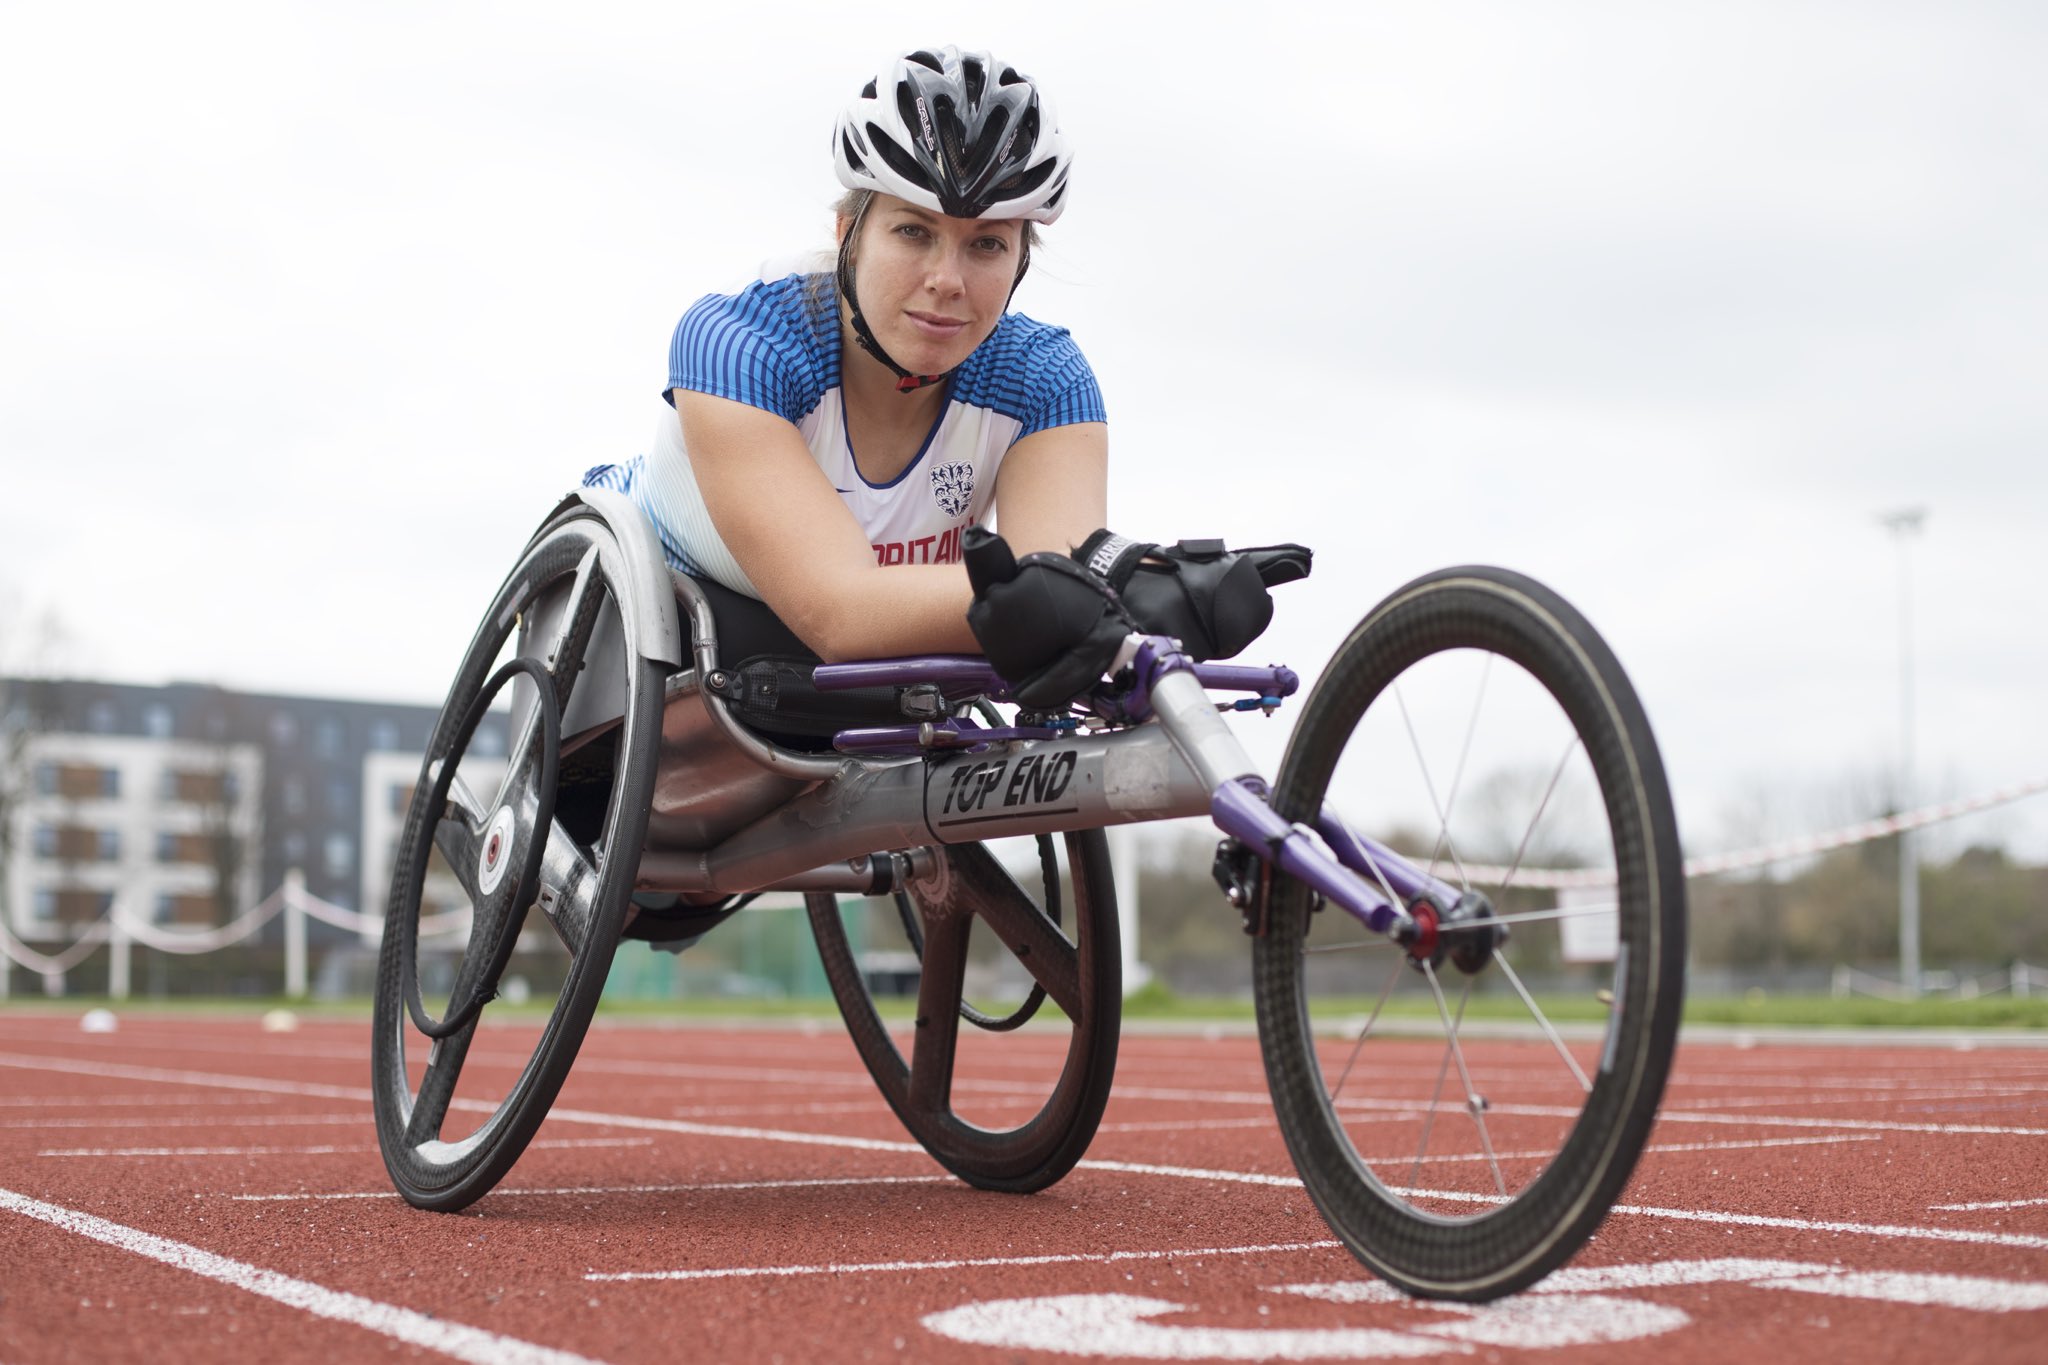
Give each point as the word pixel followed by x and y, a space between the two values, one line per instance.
pixel 400 1324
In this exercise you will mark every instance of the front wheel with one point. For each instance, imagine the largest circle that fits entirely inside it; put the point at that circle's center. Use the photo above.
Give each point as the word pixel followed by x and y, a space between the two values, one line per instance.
pixel 1465 1119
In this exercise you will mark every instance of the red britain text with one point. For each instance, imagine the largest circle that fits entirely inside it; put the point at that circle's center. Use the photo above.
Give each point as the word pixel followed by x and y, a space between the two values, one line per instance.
pixel 939 549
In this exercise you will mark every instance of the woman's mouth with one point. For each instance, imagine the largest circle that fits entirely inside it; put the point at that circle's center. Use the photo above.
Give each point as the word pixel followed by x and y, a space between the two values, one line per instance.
pixel 937 326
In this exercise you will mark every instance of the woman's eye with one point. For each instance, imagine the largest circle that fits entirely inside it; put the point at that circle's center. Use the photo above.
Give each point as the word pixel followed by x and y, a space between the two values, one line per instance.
pixel 992 244
pixel 913 231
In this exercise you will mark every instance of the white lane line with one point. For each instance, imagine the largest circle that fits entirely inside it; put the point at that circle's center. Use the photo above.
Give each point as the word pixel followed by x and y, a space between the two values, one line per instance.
pixel 306 1151
pixel 126 1101
pixel 976 1263
pixel 1135 1168
pixel 1416 1108
pixel 252 1121
pixel 1928 1291
pixel 262 1085
pixel 400 1324
pixel 1759 1220
pixel 1547 1153
pixel 1990 1204
pixel 707 1187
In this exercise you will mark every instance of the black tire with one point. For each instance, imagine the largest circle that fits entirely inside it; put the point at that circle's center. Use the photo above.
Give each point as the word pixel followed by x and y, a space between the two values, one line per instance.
pixel 598 806
pixel 1082 977
pixel 1586 1112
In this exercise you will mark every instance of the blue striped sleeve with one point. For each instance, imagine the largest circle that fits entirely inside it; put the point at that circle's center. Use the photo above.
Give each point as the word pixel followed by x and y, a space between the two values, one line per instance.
pixel 1034 373
pixel 751 347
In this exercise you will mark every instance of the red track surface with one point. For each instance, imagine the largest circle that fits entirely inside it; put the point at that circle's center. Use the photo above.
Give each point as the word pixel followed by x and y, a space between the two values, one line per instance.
pixel 188 1189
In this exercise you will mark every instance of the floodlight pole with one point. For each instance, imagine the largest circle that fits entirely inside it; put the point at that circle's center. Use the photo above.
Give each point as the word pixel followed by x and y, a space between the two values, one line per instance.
pixel 1903 525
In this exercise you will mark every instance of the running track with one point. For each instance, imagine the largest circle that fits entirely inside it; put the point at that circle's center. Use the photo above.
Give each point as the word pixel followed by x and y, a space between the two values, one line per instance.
pixel 197 1189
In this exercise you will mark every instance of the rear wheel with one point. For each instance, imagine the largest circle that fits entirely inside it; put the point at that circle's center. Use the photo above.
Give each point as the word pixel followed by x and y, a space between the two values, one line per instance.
pixel 514 808
pixel 958 1090
pixel 1464 1118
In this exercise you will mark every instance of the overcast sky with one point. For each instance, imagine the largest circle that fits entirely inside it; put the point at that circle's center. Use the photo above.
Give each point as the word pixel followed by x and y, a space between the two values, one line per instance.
pixel 308 314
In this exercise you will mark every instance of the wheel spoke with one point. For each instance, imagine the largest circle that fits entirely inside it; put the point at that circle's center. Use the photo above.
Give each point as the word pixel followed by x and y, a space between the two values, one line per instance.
pixel 1475 1103
pixel 1543 1022
pixel 1373 1018
pixel 1037 942
pixel 437 1087
pixel 939 988
pixel 1443 819
pixel 459 833
pixel 572 632
pixel 1522 849
pixel 568 888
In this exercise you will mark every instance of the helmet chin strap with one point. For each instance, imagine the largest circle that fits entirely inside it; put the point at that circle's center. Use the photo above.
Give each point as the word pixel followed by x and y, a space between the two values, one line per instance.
pixel 906 381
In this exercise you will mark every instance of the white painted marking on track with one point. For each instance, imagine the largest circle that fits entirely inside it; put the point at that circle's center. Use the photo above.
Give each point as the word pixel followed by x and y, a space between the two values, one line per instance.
pixel 1121 1325
pixel 966 1263
pixel 708 1187
pixel 305 1151
pixel 400 1324
pixel 211 1121
pixel 1924 1291
pixel 268 1085
pixel 1990 1204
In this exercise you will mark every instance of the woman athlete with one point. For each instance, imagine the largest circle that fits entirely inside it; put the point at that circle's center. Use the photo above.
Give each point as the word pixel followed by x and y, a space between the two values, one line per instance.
pixel 836 434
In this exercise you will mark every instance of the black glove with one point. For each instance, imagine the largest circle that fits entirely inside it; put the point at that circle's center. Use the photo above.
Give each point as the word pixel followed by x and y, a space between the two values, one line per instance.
pixel 1047 625
pixel 1212 600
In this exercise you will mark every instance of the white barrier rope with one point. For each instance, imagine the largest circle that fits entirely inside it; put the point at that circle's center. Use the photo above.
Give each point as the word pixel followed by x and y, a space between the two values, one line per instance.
pixel 95 934
pixel 194 941
pixel 1713 864
pixel 449 923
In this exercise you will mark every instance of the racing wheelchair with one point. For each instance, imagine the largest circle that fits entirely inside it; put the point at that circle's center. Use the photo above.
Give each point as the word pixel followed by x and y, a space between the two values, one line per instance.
pixel 1461 1094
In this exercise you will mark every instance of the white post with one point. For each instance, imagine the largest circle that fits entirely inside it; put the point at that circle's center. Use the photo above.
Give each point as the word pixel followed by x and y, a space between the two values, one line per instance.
pixel 1123 863
pixel 1904 524
pixel 118 944
pixel 294 934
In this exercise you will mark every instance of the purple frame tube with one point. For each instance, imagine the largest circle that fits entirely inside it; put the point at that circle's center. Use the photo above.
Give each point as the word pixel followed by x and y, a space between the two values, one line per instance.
pixel 1346 872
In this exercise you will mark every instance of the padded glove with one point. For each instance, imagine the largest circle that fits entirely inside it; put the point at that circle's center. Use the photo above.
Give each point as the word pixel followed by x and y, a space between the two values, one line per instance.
pixel 1049 627
pixel 1213 600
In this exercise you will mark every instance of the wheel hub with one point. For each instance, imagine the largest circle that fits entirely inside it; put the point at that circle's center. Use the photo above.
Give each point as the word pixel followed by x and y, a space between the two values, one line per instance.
pixel 495 852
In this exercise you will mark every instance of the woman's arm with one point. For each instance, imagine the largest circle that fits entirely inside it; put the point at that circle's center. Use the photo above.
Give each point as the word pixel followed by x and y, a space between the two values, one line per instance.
pixel 1053 488
pixel 784 523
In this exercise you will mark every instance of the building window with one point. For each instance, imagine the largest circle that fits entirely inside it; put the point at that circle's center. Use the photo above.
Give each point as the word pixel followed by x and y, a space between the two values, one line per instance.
pixel 284 729
pixel 341 855
pixel 328 735
pixel 383 735
pixel 401 797
pixel 295 849
pixel 341 797
pixel 77 781
pixel 489 741
pixel 156 721
pixel 102 717
pixel 199 788
pixel 294 796
pixel 77 844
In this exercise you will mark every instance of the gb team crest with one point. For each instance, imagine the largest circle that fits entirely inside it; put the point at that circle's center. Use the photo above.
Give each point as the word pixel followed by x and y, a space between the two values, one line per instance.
pixel 953 487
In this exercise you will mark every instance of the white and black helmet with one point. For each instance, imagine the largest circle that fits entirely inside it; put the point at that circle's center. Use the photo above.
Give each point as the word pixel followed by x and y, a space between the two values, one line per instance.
pixel 959 133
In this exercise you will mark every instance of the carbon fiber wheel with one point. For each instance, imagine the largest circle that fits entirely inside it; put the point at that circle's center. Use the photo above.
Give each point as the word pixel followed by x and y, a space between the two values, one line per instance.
pixel 1464 1112
pixel 1054 1074
pixel 526 792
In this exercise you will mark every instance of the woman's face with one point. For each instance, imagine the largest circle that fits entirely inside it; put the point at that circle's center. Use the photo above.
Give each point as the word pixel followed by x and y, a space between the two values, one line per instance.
pixel 931 287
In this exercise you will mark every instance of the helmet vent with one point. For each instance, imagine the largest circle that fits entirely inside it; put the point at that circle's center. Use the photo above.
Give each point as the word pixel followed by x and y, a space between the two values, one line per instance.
pixel 926 59
pixel 1011 76
pixel 975 78
pixel 868 91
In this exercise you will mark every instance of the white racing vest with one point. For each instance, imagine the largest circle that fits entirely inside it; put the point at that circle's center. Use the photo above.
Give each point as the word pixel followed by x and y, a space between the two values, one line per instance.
pixel 775 346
